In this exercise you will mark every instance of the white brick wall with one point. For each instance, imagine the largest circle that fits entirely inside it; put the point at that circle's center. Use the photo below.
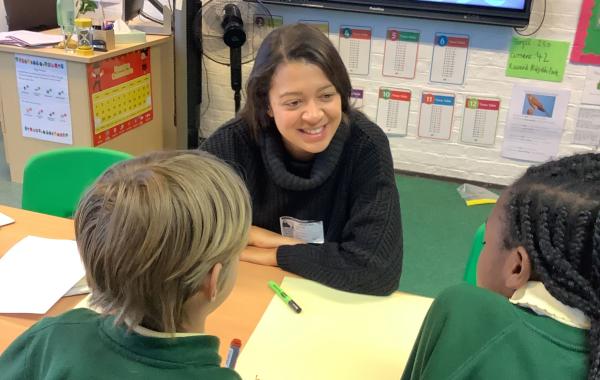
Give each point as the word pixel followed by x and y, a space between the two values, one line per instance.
pixel 485 75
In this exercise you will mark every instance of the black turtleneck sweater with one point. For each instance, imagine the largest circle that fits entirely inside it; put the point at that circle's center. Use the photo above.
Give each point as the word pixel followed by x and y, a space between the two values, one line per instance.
pixel 350 187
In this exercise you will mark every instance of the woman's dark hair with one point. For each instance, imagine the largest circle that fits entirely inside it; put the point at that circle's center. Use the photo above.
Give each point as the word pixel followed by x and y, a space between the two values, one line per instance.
pixel 553 211
pixel 291 43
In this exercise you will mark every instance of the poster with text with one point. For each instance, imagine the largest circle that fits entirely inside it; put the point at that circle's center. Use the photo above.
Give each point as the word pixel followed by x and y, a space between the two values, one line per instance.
pixel 400 53
pixel 587 131
pixel 480 120
pixel 437 111
pixel 586 47
pixel 535 123
pixel 43 90
pixel 449 62
pixel 323 26
pixel 534 58
pixel 591 89
pixel 120 92
pixel 357 96
pixel 393 109
pixel 355 49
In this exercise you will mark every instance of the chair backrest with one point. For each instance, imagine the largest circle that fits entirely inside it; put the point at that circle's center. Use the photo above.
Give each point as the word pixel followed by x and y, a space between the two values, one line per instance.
pixel 476 248
pixel 54 181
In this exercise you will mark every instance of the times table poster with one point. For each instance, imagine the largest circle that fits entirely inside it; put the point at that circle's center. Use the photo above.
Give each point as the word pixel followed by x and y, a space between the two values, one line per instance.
pixel 120 91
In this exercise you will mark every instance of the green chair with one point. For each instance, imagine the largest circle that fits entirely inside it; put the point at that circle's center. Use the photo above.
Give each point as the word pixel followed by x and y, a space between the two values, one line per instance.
pixel 54 181
pixel 476 248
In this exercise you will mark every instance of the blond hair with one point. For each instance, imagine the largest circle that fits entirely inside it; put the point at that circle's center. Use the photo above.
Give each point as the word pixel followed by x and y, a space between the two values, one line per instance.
pixel 151 228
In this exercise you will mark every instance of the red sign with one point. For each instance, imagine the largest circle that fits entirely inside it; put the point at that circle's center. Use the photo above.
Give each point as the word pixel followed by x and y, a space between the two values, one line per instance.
pixel 120 92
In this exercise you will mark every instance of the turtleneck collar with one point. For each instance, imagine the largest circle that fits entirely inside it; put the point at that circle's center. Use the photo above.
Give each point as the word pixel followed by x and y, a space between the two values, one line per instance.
pixel 273 154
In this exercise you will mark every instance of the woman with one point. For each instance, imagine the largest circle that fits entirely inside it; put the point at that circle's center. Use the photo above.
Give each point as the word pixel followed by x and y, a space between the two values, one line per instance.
pixel 319 172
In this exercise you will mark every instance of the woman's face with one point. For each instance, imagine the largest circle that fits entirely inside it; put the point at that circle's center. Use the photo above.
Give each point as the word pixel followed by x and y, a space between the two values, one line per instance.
pixel 306 107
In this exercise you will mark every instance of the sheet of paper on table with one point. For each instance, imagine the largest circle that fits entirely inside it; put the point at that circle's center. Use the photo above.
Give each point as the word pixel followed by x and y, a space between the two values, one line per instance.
pixel 36 272
pixel 338 335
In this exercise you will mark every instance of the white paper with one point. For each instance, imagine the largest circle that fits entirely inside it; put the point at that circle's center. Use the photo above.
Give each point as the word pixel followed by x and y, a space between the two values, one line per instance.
pixel 591 90
pixel 44 98
pixel 437 111
pixel 36 272
pixel 28 38
pixel 587 131
pixel 535 123
pixel 355 49
pixel 357 96
pixel 338 335
pixel 393 109
pixel 449 61
pixel 400 55
pixel 5 219
pixel 480 120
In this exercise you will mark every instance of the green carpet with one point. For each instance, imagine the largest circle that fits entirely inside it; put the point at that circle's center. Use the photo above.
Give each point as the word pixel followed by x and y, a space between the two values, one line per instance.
pixel 438 231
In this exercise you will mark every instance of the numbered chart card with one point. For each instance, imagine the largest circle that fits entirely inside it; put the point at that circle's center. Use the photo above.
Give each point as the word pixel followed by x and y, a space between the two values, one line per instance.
pixel 449 61
pixel 120 93
pixel 355 49
pixel 437 111
pixel 357 96
pixel 393 108
pixel 400 55
pixel 323 26
pixel 44 98
pixel 480 120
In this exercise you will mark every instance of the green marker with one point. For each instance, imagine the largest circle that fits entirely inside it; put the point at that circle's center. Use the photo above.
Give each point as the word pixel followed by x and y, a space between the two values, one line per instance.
pixel 287 299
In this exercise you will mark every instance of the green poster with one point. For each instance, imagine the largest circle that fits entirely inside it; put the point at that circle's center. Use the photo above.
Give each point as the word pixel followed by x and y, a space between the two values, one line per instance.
pixel 533 58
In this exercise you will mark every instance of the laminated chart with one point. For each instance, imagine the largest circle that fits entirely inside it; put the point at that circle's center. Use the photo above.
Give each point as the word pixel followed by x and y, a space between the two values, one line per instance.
pixel 400 54
pixel 357 96
pixel 393 108
pixel 323 26
pixel 437 111
pixel 120 94
pixel 480 120
pixel 43 89
pixel 449 61
pixel 355 49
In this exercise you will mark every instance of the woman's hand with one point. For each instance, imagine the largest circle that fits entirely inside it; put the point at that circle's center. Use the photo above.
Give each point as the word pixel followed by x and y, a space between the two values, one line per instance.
pixel 262 256
pixel 262 238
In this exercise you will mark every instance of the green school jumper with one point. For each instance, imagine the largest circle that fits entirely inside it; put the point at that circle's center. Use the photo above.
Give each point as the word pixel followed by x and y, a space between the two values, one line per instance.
pixel 81 344
pixel 472 333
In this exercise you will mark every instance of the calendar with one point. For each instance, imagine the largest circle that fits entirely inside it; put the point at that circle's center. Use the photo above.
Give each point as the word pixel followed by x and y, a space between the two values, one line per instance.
pixel 437 111
pixel 449 61
pixel 356 97
pixel 120 91
pixel 480 121
pixel 400 54
pixel 355 49
pixel 393 108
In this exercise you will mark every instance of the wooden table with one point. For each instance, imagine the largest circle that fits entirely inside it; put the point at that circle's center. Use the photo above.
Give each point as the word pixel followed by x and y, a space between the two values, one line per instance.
pixel 236 318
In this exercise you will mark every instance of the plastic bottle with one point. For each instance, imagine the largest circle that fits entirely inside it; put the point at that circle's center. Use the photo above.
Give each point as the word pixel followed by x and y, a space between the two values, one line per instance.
pixel 65 16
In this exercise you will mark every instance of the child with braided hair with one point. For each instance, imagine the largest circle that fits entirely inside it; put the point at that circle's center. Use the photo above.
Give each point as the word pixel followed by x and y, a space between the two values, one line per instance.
pixel 539 314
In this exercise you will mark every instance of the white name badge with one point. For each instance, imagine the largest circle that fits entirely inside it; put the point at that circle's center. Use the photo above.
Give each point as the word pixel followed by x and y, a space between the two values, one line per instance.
pixel 309 231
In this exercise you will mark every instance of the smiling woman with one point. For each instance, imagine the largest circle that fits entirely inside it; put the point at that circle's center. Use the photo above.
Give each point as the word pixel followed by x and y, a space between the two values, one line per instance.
pixel 320 174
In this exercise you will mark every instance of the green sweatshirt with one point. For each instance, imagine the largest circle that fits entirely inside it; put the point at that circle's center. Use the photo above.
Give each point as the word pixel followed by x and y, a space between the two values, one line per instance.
pixel 472 333
pixel 81 344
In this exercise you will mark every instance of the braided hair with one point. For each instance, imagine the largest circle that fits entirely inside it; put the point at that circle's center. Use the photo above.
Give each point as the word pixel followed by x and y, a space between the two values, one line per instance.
pixel 553 211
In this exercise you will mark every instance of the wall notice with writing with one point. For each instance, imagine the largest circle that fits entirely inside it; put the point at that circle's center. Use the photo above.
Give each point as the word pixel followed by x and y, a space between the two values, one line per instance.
pixel 532 58
pixel 120 94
